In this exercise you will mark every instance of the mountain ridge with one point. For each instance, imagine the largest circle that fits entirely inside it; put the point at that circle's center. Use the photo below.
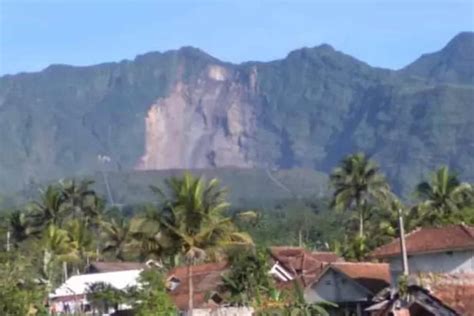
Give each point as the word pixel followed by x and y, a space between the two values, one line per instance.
pixel 462 37
pixel 187 109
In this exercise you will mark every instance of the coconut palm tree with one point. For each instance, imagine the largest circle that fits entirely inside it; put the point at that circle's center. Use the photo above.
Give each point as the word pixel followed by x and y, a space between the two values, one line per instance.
pixel 80 199
pixel 48 210
pixel 443 198
pixel 357 182
pixel 192 214
pixel 57 248
pixel 18 226
pixel 83 241
pixel 146 239
pixel 117 236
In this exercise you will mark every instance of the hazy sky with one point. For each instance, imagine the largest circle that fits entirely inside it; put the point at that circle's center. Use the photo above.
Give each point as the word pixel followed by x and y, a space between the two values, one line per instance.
pixel 390 33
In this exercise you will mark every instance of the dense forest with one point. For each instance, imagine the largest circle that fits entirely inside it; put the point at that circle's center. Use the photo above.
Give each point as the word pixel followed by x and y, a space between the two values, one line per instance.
pixel 190 221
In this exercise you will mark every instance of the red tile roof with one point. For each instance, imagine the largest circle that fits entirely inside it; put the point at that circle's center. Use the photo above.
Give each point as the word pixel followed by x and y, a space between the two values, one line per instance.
pixel 305 265
pixel 426 240
pixel 373 276
pixel 206 279
pixel 297 259
pixel 455 290
pixel 98 267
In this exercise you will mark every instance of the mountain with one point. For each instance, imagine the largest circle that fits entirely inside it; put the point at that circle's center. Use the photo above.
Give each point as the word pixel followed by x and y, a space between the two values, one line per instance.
pixel 187 109
pixel 454 63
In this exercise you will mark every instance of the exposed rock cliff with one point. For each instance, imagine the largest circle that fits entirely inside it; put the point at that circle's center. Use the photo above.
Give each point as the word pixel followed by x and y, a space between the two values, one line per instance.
pixel 205 123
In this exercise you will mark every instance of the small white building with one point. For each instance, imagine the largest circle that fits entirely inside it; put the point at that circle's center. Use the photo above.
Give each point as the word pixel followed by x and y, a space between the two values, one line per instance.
pixel 71 295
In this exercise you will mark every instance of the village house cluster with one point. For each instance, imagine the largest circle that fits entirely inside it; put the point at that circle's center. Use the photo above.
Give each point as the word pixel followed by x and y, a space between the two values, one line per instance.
pixel 440 279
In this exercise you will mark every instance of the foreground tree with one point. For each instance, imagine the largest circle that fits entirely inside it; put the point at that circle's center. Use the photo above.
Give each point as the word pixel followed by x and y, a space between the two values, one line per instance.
pixel 103 296
pixel 248 282
pixel 150 297
pixel 192 215
pixel 20 292
pixel 300 307
pixel 357 183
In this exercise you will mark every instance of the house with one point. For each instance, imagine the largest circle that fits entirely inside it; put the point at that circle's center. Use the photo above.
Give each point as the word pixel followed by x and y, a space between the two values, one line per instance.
pixel 350 285
pixel 454 289
pixel 326 277
pixel 290 263
pixel 439 259
pixel 206 279
pixel 72 295
pixel 447 249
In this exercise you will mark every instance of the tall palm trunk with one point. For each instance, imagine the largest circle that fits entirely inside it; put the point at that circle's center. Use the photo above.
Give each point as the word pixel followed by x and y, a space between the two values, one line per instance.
pixel 190 289
pixel 361 224
pixel 300 238
pixel 360 207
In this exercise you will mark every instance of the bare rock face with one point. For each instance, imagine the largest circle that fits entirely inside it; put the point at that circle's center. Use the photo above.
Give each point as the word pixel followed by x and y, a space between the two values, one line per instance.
pixel 208 122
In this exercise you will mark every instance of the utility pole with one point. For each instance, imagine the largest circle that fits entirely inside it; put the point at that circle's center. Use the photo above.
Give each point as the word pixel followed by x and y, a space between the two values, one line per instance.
pixel 403 247
pixel 8 240
pixel 65 271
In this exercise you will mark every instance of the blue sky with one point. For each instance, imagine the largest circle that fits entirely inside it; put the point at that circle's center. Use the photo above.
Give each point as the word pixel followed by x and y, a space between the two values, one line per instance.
pixel 390 33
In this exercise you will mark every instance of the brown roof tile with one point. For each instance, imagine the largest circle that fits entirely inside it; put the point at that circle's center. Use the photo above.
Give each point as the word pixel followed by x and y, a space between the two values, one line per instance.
pixel 455 290
pixel 98 267
pixel 425 240
pixel 306 266
pixel 297 259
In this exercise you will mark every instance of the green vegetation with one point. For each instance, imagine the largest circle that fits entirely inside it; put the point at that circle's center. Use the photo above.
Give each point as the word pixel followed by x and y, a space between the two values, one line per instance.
pixel 248 283
pixel 358 184
pixel 191 221
pixel 20 292
pixel 444 199
pixel 148 298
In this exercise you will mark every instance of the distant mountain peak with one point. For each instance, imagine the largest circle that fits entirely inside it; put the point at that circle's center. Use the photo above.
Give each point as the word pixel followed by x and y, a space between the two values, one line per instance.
pixel 452 64
pixel 315 50
pixel 461 46
pixel 461 39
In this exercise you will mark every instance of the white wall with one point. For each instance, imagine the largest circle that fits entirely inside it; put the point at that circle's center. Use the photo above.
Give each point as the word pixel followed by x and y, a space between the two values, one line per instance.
pixel 443 262
pixel 224 311
pixel 335 287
